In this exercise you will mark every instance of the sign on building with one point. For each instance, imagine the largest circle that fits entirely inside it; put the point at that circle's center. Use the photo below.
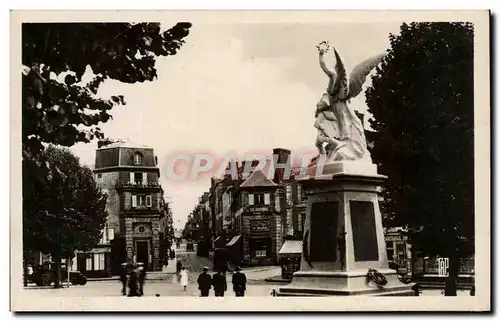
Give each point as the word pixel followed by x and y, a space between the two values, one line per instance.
pixel 443 265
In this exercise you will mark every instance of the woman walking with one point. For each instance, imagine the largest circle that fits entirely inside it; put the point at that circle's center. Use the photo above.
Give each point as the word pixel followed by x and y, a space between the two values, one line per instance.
pixel 184 278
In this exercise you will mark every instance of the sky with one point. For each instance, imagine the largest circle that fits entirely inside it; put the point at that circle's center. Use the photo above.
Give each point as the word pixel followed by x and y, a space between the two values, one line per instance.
pixel 234 87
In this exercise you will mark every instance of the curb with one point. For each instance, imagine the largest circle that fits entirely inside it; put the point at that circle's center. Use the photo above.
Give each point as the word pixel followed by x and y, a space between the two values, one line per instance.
pixel 117 278
pixel 273 280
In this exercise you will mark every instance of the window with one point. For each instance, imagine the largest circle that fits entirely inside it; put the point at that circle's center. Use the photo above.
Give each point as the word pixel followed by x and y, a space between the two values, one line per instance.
pixel 99 262
pixel 88 263
pixel 142 200
pixel 137 159
pixel 260 253
pixel 260 247
pixel 259 199
pixel 251 200
pixel 138 178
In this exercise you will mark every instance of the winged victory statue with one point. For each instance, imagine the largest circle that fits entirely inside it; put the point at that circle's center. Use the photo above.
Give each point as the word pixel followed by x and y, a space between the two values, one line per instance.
pixel 340 132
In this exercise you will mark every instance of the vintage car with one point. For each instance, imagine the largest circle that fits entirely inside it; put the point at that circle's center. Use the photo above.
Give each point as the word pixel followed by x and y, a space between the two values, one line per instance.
pixel 44 275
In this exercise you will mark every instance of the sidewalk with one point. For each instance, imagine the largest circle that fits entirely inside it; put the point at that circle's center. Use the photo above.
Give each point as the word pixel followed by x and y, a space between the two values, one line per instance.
pixel 165 274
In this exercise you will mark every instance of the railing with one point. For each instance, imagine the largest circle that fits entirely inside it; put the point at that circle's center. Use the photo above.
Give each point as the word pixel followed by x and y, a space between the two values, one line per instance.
pixel 430 266
pixel 138 185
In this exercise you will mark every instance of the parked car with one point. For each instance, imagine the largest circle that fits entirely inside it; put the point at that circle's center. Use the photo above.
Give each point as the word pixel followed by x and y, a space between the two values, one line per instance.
pixel 44 275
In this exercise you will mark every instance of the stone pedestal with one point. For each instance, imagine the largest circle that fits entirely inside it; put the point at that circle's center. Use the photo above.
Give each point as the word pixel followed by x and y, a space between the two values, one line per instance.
pixel 343 236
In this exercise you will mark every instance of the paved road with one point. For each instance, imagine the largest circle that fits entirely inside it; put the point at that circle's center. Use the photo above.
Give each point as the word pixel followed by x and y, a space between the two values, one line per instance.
pixel 191 261
pixel 163 288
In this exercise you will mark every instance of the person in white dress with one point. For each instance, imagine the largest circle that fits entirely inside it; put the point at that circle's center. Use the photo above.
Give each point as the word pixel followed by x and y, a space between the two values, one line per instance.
pixel 184 278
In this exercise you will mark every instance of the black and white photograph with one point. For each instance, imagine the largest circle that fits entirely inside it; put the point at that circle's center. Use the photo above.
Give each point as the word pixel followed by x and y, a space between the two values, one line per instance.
pixel 249 160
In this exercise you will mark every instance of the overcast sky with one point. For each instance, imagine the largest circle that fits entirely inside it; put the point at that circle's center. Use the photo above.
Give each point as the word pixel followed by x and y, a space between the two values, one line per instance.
pixel 245 87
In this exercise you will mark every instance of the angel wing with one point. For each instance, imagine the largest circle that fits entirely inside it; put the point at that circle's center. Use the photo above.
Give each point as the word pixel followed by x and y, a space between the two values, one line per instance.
pixel 359 73
pixel 341 88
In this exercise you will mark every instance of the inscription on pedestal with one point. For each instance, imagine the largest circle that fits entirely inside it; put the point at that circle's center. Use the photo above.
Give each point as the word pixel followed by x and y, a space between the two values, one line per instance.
pixel 364 231
pixel 323 247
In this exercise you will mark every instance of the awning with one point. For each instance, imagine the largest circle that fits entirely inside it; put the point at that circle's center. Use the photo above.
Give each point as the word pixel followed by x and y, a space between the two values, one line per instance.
pixel 291 247
pixel 233 240
pixel 96 250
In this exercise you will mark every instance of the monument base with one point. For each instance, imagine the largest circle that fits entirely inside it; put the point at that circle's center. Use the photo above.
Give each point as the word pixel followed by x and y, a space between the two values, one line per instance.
pixel 319 283
pixel 343 212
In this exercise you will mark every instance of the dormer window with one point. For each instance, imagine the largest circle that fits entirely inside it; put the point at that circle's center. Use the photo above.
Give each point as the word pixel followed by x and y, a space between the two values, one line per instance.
pixel 137 159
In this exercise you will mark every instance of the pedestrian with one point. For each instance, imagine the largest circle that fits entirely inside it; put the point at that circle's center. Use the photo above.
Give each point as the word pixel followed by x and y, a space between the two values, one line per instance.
pixel 172 254
pixel 141 271
pixel 184 278
pixel 133 280
pixel 123 278
pixel 204 282
pixel 178 266
pixel 239 282
pixel 219 283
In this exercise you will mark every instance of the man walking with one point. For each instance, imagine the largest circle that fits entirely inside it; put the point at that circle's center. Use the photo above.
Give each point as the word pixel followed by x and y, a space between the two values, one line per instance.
pixel 204 282
pixel 178 266
pixel 219 282
pixel 133 281
pixel 239 282
pixel 123 278
pixel 142 278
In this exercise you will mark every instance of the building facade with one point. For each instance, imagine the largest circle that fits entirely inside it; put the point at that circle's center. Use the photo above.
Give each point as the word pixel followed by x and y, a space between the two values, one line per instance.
pixel 252 215
pixel 136 228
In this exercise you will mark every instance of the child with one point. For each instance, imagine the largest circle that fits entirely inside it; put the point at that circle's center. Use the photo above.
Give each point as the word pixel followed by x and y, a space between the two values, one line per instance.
pixel 184 278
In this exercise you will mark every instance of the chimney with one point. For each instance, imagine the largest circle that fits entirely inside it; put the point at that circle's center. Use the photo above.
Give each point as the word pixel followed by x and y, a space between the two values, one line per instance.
pixel 282 155
pixel 104 142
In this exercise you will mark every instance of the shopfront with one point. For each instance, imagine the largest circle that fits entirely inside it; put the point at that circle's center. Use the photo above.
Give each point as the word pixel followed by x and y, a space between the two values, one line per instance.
pixel 260 240
pixel 95 263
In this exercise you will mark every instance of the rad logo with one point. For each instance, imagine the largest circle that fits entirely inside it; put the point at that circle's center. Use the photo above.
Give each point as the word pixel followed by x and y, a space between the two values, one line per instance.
pixel 443 265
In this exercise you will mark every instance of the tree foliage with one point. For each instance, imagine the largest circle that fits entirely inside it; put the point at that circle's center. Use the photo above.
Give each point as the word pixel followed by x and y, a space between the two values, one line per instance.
pixel 65 212
pixel 422 101
pixel 67 112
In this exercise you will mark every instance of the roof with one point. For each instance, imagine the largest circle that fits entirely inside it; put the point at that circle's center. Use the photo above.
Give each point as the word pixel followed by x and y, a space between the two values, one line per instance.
pixel 233 240
pixel 96 250
pixel 291 247
pixel 124 144
pixel 258 179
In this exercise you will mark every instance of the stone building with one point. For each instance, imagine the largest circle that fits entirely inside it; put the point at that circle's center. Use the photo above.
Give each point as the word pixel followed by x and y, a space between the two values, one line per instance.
pixel 135 228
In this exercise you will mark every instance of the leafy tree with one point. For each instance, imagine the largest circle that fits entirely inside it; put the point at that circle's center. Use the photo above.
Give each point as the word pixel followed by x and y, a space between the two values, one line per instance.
pixel 68 112
pixel 66 212
pixel 422 100
pixel 60 107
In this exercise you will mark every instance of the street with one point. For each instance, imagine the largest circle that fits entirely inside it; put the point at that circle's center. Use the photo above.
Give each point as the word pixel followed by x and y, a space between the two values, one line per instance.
pixel 166 283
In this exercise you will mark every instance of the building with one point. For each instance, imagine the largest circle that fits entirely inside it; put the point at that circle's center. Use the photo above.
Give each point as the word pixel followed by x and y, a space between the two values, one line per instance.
pixel 137 226
pixel 398 248
pixel 253 215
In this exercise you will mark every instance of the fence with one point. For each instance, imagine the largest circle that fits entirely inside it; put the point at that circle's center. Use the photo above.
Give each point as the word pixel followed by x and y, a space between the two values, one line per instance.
pixel 432 266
